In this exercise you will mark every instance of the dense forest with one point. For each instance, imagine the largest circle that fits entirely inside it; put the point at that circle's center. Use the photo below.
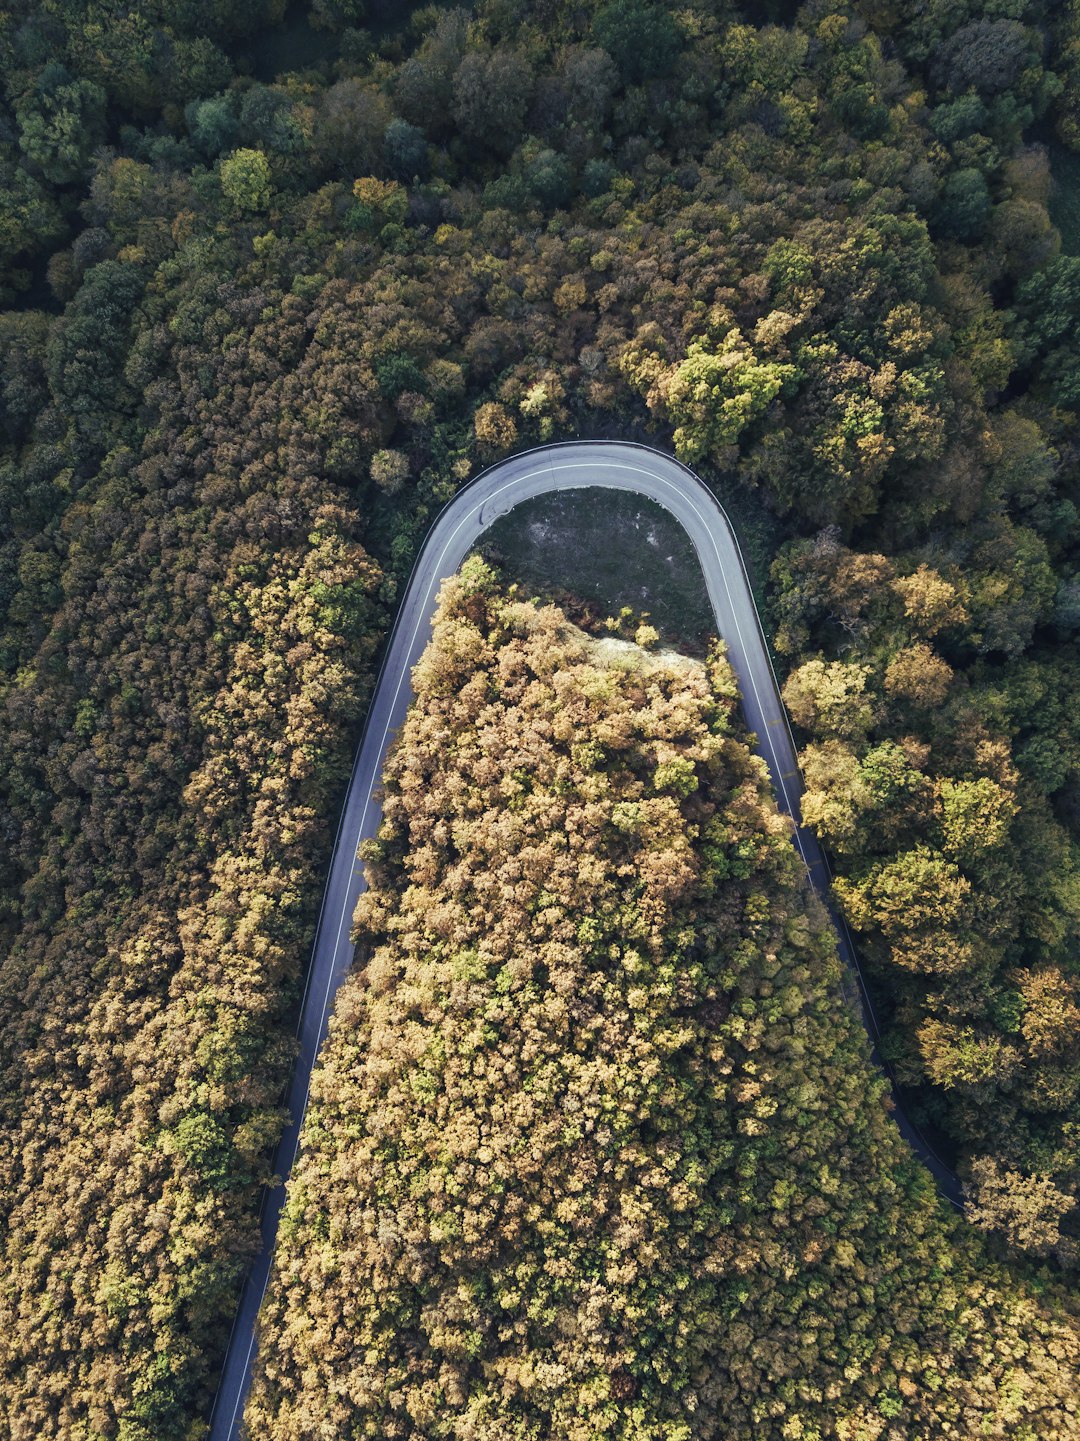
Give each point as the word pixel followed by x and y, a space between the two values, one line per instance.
pixel 595 1150
pixel 274 285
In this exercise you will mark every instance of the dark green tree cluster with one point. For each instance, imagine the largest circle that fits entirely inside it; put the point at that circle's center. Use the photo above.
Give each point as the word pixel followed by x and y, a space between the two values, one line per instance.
pixel 595 1148
pixel 260 322
pixel 73 74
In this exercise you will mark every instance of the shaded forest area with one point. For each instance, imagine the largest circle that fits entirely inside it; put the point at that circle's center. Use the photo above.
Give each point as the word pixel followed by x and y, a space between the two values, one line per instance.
pixel 595 1150
pixel 256 330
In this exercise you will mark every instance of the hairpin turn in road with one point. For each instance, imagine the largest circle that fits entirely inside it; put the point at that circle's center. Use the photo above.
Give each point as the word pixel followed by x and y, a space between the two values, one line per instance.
pixel 613 465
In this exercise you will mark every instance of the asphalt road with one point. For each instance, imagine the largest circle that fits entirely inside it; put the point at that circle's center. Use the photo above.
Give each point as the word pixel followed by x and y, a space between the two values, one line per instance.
pixel 615 466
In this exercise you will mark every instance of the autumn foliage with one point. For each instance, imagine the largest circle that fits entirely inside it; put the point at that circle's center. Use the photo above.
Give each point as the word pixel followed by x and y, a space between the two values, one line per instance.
pixel 274 283
pixel 958 876
pixel 595 1148
pixel 170 755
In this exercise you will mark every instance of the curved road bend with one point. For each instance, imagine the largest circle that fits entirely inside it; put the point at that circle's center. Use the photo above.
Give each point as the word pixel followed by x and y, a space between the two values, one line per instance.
pixel 614 466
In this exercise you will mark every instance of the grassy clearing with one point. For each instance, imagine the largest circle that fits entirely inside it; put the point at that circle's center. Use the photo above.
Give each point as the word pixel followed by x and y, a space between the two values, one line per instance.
pixel 607 550
pixel 604 550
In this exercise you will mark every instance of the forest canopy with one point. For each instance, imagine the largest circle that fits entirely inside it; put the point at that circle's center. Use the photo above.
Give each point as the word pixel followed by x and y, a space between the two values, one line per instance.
pixel 595 1148
pixel 272 286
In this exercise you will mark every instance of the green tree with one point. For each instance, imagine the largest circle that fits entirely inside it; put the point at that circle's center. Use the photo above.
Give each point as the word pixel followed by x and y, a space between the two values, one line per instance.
pixel 491 95
pixel 712 395
pixel 919 903
pixel 965 205
pixel 245 180
pixel 212 124
pixel 61 122
pixel 594 1038
pixel 405 149
pixel 640 36
pixel 1049 306
pixel 987 54
pixel 353 121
